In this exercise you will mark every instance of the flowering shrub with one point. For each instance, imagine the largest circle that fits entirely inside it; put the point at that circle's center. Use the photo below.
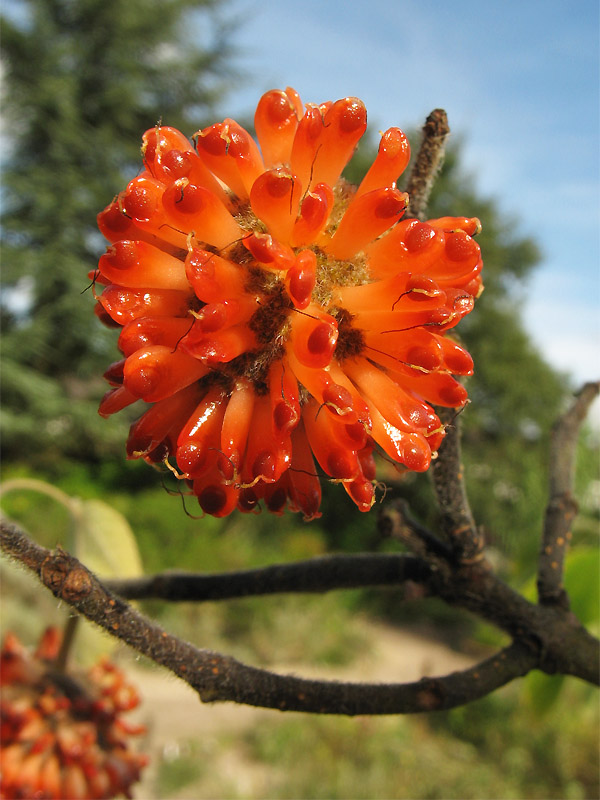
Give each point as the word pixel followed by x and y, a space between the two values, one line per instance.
pixel 272 314
pixel 62 735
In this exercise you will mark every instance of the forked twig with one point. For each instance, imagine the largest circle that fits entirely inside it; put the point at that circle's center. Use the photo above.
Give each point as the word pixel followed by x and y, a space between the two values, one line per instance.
pixel 218 677
pixel 544 637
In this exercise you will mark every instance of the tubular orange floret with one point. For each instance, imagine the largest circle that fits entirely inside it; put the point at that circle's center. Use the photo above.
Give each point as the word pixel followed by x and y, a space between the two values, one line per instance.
pixel 217 347
pixel 409 449
pixel 275 197
pixel 151 429
pixel 194 208
pixel 267 457
pixel 115 224
pixel 398 407
pixel 306 144
pixel 169 155
pixel 304 485
pixel 285 399
pixel 142 203
pixel 116 400
pixel 365 219
pixel 402 320
pixel 411 246
pixel 268 251
pixel 271 313
pixel 353 411
pixel 212 146
pixel 326 440
pixel 235 428
pixel 416 349
pixel 214 496
pixel 314 213
pixel 276 121
pixel 142 265
pixel 124 305
pixel 216 316
pixel 198 441
pixel 362 492
pixel 157 143
pixel 231 154
pixel 343 125
pixel 470 225
pixel 456 358
pixel 391 161
pixel 301 278
pixel 146 331
pixel 276 495
pixel 156 372
pixel 212 278
pixel 313 338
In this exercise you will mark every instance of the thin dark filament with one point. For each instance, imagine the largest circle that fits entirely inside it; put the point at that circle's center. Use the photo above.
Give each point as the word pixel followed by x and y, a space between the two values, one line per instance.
pixel 383 353
pixel 410 327
pixel 182 337
pixel 92 284
pixel 183 496
pixel 312 167
pixel 400 298
pixel 304 472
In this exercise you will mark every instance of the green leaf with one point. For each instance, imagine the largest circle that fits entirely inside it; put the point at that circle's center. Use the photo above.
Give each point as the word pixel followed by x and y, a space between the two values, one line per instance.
pixel 104 541
pixel 582 582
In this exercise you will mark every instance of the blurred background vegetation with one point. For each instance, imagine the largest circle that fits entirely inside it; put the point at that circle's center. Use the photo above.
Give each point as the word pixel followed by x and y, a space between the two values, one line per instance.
pixel 84 80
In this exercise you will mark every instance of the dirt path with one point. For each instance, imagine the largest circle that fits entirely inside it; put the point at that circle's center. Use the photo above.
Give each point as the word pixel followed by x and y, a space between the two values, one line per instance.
pixel 174 715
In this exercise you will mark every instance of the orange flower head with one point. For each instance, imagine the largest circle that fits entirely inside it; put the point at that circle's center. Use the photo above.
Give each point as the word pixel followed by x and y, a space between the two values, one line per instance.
pixel 62 734
pixel 273 314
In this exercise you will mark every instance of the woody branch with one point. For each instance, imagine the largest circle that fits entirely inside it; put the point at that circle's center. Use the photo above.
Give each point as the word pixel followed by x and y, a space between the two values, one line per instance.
pixel 218 677
pixel 562 507
pixel 453 566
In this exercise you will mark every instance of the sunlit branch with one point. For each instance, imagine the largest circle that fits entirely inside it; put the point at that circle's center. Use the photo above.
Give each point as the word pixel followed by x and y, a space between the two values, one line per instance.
pixel 218 677
pixel 562 507
pixel 448 480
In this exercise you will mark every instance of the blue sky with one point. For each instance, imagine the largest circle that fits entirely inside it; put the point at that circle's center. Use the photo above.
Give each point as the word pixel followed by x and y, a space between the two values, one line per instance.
pixel 519 81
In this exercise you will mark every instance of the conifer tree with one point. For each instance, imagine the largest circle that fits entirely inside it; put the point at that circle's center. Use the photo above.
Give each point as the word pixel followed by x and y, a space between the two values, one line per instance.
pixel 84 79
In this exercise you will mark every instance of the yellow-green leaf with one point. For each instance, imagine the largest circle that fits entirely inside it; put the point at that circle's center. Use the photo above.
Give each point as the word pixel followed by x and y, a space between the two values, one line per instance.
pixel 105 543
